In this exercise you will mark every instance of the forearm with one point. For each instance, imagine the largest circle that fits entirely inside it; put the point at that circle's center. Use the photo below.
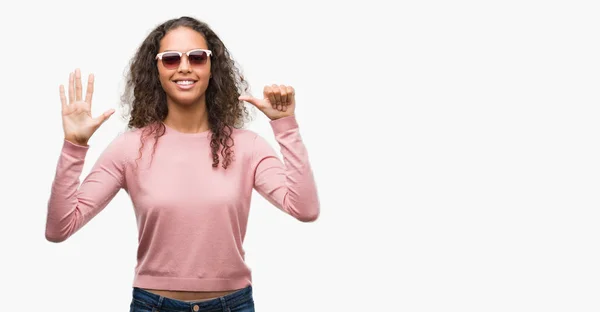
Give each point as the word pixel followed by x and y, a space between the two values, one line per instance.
pixel 72 204
pixel 63 211
pixel 289 185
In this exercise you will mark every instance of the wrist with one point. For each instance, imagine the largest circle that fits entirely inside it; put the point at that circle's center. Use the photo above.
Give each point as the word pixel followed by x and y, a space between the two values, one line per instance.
pixel 281 117
pixel 284 124
pixel 75 141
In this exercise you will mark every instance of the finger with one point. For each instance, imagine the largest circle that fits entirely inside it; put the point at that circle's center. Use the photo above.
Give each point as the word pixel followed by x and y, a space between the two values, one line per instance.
pixel 63 98
pixel 284 97
pixel 78 90
pixel 102 118
pixel 277 95
pixel 89 91
pixel 271 97
pixel 71 88
pixel 268 93
pixel 290 91
pixel 291 94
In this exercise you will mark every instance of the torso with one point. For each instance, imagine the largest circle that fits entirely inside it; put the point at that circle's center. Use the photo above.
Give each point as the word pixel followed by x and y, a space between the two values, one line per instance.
pixel 168 213
pixel 190 295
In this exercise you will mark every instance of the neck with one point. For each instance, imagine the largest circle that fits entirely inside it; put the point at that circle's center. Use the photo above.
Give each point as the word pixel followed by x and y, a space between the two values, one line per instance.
pixel 188 118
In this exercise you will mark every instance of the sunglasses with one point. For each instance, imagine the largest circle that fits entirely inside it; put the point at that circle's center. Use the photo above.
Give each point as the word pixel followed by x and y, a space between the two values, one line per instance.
pixel 172 59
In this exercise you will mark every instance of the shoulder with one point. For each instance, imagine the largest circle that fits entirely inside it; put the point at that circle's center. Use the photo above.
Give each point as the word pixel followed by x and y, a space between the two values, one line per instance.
pixel 126 138
pixel 251 143
pixel 254 145
pixel 244 137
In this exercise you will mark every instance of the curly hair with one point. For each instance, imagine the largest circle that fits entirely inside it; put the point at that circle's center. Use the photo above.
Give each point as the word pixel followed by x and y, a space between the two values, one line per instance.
pixel 146 101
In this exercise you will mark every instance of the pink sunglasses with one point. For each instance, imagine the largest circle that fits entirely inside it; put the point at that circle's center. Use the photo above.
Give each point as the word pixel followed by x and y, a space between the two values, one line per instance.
pixel 172 59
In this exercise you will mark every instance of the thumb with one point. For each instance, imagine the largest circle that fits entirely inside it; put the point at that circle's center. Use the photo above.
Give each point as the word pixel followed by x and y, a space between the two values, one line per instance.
pixel 250 99
pixel 102 118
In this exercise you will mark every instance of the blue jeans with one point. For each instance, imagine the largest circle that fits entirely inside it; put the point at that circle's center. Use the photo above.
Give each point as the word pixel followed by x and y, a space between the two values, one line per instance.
pixel 239 301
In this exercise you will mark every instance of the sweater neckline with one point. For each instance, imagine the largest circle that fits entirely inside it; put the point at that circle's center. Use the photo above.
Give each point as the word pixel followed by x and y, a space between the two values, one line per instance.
pixel 174 132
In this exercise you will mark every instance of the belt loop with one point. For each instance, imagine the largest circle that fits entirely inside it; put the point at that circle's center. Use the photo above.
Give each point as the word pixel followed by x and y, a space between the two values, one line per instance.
pixel 160 302
pixel 224 305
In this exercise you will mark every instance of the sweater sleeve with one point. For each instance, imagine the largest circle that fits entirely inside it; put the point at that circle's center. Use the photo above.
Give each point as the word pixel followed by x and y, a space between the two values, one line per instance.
pixel 288 185
pixel 71 204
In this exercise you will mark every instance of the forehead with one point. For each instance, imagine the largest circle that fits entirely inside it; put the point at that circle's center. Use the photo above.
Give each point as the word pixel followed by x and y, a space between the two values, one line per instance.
pixel 182 39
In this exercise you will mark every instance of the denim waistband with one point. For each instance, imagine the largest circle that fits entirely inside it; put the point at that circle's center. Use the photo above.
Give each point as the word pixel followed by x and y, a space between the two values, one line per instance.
pixel 216 304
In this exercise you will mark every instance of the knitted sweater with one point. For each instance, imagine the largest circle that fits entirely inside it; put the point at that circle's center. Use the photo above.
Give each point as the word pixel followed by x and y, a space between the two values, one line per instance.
pixel 191 217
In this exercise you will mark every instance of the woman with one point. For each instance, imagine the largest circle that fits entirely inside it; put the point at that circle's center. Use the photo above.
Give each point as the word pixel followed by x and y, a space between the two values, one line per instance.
pixel 187 165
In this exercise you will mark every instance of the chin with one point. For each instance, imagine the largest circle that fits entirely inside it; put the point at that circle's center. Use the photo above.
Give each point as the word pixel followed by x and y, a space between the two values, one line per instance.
pixel 186 100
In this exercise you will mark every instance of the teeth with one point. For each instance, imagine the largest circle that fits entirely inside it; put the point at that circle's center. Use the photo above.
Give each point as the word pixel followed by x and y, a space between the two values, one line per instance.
pixel 185 82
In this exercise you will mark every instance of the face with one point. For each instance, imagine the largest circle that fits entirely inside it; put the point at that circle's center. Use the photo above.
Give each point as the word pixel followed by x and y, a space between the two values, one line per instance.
pixel 184 81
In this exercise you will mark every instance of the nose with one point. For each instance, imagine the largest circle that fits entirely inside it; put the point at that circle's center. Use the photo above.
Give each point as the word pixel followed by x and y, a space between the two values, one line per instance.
pixel 184 64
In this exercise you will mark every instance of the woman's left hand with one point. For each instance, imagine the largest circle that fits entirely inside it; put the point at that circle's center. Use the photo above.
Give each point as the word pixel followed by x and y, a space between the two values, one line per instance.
pixel 278 101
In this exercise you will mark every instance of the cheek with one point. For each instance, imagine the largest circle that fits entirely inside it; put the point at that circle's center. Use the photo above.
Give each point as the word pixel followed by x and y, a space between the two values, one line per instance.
pixel 163 77
pixel 203 72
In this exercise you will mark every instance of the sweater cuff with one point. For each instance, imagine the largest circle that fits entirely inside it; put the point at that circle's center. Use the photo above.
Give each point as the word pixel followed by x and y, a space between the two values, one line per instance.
pixel 74 150
pixel 283 124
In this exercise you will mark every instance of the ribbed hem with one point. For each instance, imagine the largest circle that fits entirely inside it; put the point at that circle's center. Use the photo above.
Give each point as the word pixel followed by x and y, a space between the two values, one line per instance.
pixel 72 149
pixel 284 124
pixel 190 284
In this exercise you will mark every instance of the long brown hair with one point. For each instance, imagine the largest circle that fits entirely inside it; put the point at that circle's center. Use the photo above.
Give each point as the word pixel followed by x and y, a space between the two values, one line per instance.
pixel 146 103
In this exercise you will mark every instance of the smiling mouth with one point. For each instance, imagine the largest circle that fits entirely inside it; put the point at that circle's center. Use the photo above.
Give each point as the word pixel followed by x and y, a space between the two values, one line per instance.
pixel 185 82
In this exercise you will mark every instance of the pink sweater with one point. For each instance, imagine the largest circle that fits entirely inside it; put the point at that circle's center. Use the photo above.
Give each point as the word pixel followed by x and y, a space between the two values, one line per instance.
pixel 191 217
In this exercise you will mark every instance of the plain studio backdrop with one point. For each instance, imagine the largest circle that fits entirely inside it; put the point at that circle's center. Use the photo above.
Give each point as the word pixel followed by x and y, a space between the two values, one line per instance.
pixel 454 144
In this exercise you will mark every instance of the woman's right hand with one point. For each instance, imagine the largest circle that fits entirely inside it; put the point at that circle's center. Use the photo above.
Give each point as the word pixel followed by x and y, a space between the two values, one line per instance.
pixel 78 123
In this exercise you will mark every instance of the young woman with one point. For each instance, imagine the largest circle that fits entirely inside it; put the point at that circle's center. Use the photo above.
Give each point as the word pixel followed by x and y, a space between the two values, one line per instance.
pixel 188 166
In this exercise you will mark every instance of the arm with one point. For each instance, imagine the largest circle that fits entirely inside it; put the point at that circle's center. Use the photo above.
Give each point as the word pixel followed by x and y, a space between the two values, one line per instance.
pixel 290 185
pixel 72 205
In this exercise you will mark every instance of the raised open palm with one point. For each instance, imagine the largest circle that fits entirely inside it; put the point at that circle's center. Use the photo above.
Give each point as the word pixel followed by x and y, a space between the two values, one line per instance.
pixel 78 123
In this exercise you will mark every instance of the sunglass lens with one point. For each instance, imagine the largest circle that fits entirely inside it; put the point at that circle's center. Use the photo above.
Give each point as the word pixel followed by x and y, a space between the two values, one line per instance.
pixel 171 60
pixel 198 57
